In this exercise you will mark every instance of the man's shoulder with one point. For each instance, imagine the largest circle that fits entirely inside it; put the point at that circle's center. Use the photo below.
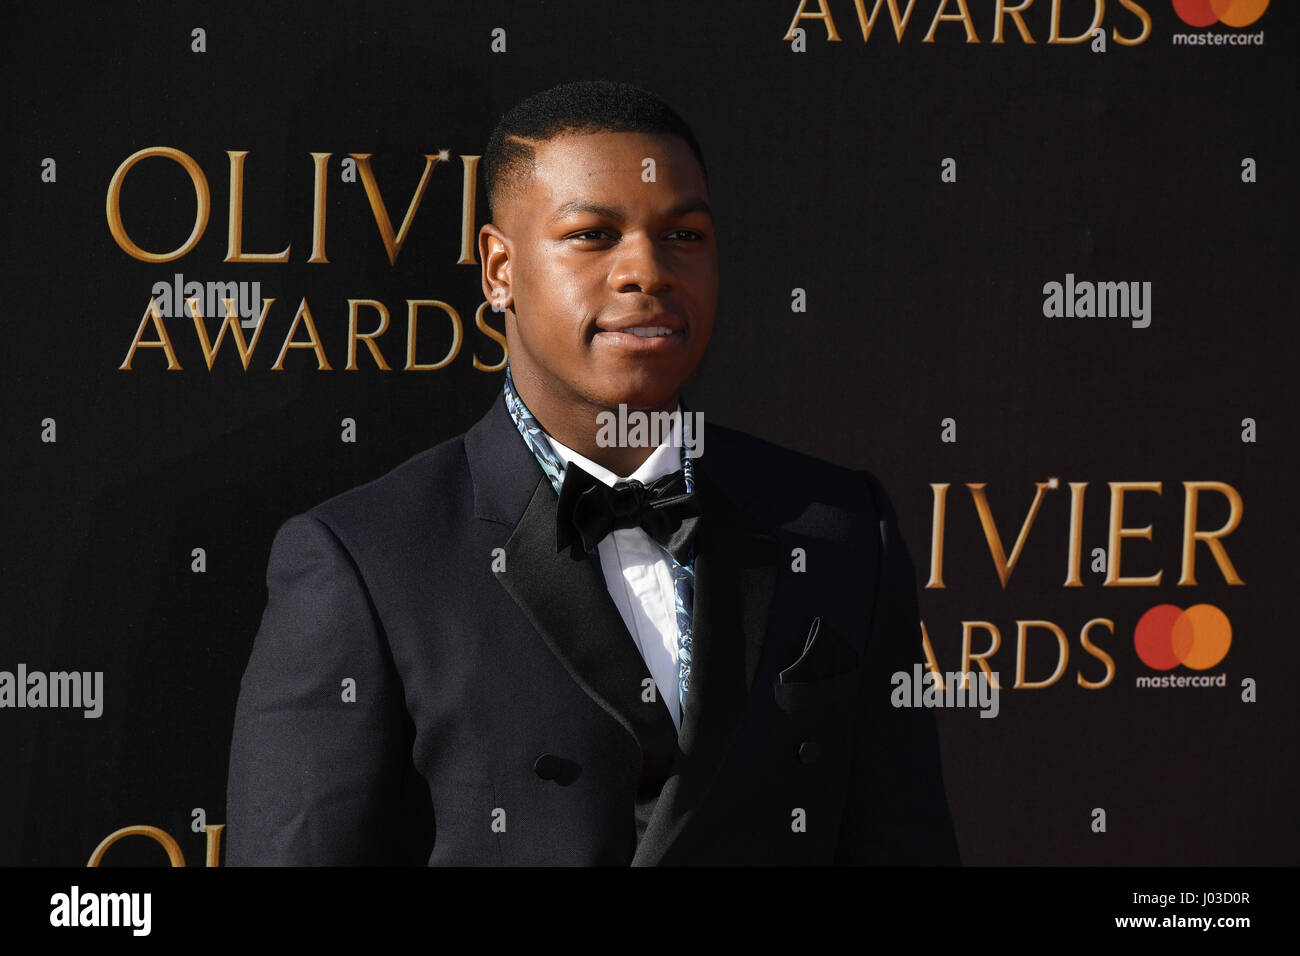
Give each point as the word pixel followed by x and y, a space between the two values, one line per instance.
pixel 774 482
pixel 433 490
pixel 427 485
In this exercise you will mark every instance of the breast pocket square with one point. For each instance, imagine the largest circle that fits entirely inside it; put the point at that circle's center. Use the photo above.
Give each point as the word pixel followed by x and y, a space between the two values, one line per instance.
pixel 825 655
pixel 826 675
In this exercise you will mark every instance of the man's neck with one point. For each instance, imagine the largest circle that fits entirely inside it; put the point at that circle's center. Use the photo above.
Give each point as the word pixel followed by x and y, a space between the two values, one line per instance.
pixel 577 425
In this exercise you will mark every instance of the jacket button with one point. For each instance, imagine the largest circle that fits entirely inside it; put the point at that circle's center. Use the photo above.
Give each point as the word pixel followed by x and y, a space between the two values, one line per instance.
pixel 809 751
pixel 547 766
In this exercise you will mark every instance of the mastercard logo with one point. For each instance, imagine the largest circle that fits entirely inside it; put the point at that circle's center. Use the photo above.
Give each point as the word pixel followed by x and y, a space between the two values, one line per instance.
pixel 1167 636
pixel 1231 13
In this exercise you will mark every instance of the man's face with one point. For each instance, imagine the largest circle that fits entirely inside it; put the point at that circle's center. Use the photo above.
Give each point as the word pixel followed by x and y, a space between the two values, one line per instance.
pixel 591 249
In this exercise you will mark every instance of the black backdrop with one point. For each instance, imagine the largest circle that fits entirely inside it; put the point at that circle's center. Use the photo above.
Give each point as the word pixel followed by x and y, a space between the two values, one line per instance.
pixel 925 302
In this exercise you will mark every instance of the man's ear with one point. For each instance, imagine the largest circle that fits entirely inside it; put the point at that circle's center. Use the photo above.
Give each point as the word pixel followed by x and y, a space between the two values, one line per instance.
pixel 494 254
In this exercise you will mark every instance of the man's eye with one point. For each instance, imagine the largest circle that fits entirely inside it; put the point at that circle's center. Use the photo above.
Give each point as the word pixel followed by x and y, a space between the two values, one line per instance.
pixel 600 235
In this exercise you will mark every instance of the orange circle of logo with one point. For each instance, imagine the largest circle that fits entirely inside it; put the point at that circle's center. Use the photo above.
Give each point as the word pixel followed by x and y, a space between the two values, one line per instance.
pixel 1231 13
pixel 1167 636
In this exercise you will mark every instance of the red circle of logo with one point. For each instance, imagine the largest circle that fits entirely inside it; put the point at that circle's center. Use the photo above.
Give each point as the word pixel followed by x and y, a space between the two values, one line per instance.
pixel 1167 636
pixel 1231 13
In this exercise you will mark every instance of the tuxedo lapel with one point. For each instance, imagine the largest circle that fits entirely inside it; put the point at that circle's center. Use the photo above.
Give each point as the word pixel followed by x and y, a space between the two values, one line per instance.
pixel 566 600
pixel 569 604
pixel 735 576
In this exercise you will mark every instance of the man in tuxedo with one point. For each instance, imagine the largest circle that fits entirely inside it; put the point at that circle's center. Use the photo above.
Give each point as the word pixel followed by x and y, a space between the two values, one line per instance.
pixel 532 644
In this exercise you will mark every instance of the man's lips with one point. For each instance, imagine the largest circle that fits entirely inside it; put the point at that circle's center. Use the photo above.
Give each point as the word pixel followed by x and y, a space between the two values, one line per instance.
pixel 654 332
pixel 662 320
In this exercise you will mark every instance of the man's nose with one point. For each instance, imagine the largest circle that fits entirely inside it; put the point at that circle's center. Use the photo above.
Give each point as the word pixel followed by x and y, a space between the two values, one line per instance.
pixel 640 264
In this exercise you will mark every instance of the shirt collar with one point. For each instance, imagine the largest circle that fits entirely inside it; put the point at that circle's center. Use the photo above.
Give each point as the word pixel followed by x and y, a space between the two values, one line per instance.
pixel 664 460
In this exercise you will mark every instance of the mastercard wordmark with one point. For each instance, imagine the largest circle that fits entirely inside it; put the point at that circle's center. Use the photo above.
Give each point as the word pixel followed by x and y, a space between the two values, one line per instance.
pixel 1167 636
pixel 1231 13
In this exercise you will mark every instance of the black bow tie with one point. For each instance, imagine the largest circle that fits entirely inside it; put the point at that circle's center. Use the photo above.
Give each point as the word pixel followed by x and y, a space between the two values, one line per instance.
pixel 589 509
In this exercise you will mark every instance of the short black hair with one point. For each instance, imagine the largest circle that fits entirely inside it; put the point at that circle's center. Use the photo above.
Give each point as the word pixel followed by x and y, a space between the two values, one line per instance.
pixel 586 106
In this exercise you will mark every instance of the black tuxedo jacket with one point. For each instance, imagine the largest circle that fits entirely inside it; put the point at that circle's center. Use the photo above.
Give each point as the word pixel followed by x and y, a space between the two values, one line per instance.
pixel 433 683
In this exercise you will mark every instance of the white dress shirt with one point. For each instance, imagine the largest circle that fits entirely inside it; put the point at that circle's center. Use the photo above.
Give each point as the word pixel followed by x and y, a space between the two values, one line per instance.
pixel 638 572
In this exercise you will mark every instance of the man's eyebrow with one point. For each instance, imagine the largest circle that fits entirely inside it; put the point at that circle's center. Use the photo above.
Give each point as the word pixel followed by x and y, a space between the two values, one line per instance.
pixel 690 205
pixel 614 212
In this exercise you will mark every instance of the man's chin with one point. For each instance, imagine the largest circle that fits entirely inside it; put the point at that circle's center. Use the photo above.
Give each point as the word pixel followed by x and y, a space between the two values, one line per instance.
pixel 640 391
